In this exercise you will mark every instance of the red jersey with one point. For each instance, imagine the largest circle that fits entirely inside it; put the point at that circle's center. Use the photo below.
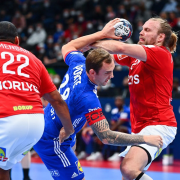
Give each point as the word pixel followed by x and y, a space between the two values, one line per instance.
pixel 150 86
pixel 23 80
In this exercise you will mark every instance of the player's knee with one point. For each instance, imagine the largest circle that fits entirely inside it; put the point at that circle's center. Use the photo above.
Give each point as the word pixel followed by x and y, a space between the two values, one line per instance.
pixel 126 170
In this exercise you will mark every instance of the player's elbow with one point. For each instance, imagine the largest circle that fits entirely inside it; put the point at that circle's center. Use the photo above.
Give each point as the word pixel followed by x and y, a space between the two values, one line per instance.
pixel 64 50
pixel 103 137
pixel 105 141
pixel 71 46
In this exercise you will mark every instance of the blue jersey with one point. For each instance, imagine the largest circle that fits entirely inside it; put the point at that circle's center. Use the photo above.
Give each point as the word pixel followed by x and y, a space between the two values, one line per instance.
pixel 79 93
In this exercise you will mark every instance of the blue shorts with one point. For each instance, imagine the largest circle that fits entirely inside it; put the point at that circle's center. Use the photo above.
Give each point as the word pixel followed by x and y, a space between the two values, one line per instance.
pixel 60 160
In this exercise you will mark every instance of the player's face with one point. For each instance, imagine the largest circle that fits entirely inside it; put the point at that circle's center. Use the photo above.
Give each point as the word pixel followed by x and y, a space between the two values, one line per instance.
pixel 149 33
pixel 105 74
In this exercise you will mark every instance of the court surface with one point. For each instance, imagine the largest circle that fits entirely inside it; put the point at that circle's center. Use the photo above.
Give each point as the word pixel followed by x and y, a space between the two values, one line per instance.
pixel 95 170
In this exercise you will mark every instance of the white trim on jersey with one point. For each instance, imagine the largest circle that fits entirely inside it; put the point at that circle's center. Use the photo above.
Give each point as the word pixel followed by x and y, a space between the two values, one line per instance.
pixel 60 154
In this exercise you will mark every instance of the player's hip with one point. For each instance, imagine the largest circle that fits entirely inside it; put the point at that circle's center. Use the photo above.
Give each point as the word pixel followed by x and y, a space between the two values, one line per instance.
pixel 18 134
pixel 166 132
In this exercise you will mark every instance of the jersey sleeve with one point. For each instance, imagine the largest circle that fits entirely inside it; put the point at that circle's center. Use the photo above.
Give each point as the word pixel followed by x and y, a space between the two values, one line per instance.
pixel 155 56
pixel 123 60
pixel 74 56
pixel 47 85
pixel 91 108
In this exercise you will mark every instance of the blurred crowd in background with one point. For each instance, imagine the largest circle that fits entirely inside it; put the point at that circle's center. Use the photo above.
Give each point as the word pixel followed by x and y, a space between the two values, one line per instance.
pixel 45 25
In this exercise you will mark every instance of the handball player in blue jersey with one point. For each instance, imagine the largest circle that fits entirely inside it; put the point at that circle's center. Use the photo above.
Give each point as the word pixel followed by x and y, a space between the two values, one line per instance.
pixel 79 90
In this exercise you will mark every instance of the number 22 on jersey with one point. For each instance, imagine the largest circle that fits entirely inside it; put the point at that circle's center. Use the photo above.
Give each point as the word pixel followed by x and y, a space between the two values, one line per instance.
pixel 12 58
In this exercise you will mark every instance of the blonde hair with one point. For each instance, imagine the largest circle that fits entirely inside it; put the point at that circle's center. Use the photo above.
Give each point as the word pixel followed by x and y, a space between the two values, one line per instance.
pixel 171 38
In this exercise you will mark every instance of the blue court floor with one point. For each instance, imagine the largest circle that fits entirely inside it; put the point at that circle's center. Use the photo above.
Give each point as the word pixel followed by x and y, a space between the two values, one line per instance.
pixel 39 172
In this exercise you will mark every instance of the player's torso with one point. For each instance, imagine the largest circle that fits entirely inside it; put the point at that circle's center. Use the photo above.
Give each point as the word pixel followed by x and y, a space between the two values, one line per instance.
pixel 74 88
pixel 20 80
pixel 150 93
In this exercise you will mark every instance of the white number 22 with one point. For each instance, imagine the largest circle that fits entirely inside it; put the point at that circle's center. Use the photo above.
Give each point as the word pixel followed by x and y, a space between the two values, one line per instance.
pixel 19 56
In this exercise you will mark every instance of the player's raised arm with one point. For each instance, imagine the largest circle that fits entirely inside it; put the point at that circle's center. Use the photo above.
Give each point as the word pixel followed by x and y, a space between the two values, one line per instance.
pixel 79 43
pixel 101 128
pixel 123 29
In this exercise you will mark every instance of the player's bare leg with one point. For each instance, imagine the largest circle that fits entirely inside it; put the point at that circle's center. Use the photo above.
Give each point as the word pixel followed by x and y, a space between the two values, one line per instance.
pixel 25 162
pixel 4 174
pixel 133 163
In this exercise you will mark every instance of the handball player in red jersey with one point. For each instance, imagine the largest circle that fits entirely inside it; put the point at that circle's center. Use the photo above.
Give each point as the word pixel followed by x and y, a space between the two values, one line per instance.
pixel 24 79
pixel 150 83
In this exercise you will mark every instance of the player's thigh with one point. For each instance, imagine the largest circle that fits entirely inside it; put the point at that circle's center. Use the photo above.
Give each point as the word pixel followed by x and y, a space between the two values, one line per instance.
pixel 60 160
pixel 136 159
pixel 65 166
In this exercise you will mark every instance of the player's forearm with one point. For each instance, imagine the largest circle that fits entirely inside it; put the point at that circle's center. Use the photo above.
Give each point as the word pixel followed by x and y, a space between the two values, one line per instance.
pixel 107 136
pixel 117 47
pixel 83 41
pixel 62 111
pixel 112 46
pixel 120 139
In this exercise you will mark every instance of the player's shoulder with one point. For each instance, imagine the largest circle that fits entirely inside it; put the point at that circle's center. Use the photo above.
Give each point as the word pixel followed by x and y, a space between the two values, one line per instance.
pixel 73 53
pixel 33 57
pixel 74 56
pixel 156 48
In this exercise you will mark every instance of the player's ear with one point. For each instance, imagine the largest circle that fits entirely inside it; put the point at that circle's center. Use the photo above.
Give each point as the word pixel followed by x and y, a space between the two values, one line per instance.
pixel 16 40
pixel 161 37
pixel 92 72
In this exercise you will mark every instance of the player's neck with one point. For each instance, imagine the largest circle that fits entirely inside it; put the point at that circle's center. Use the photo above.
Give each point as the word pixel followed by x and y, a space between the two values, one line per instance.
pixel 90 78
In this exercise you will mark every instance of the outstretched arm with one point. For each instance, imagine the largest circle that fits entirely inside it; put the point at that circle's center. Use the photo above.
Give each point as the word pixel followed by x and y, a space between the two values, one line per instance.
pixel 117 47
pixel 101 128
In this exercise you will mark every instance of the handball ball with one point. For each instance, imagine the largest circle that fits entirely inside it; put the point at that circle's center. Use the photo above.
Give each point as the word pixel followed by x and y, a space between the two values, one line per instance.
pixel 123 29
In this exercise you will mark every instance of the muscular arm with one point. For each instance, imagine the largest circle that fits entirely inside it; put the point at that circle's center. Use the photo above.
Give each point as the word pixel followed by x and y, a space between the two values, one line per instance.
pixel 61 109
pixel 79 43
pixel 117 47
pixel 101 128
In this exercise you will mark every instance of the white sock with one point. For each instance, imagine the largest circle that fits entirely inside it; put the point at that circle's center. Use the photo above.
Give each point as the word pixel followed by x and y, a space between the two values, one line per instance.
pixel 143 176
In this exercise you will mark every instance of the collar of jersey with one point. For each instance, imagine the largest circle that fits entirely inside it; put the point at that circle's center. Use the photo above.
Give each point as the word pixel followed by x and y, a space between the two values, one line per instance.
pixel 92 83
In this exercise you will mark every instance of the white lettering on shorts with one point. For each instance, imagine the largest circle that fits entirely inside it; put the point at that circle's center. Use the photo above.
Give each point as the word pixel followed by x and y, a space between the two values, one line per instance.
pixel 54 173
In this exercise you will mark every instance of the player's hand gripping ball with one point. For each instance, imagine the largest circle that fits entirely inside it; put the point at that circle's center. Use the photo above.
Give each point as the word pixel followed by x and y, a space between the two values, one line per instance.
pixel 123 29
